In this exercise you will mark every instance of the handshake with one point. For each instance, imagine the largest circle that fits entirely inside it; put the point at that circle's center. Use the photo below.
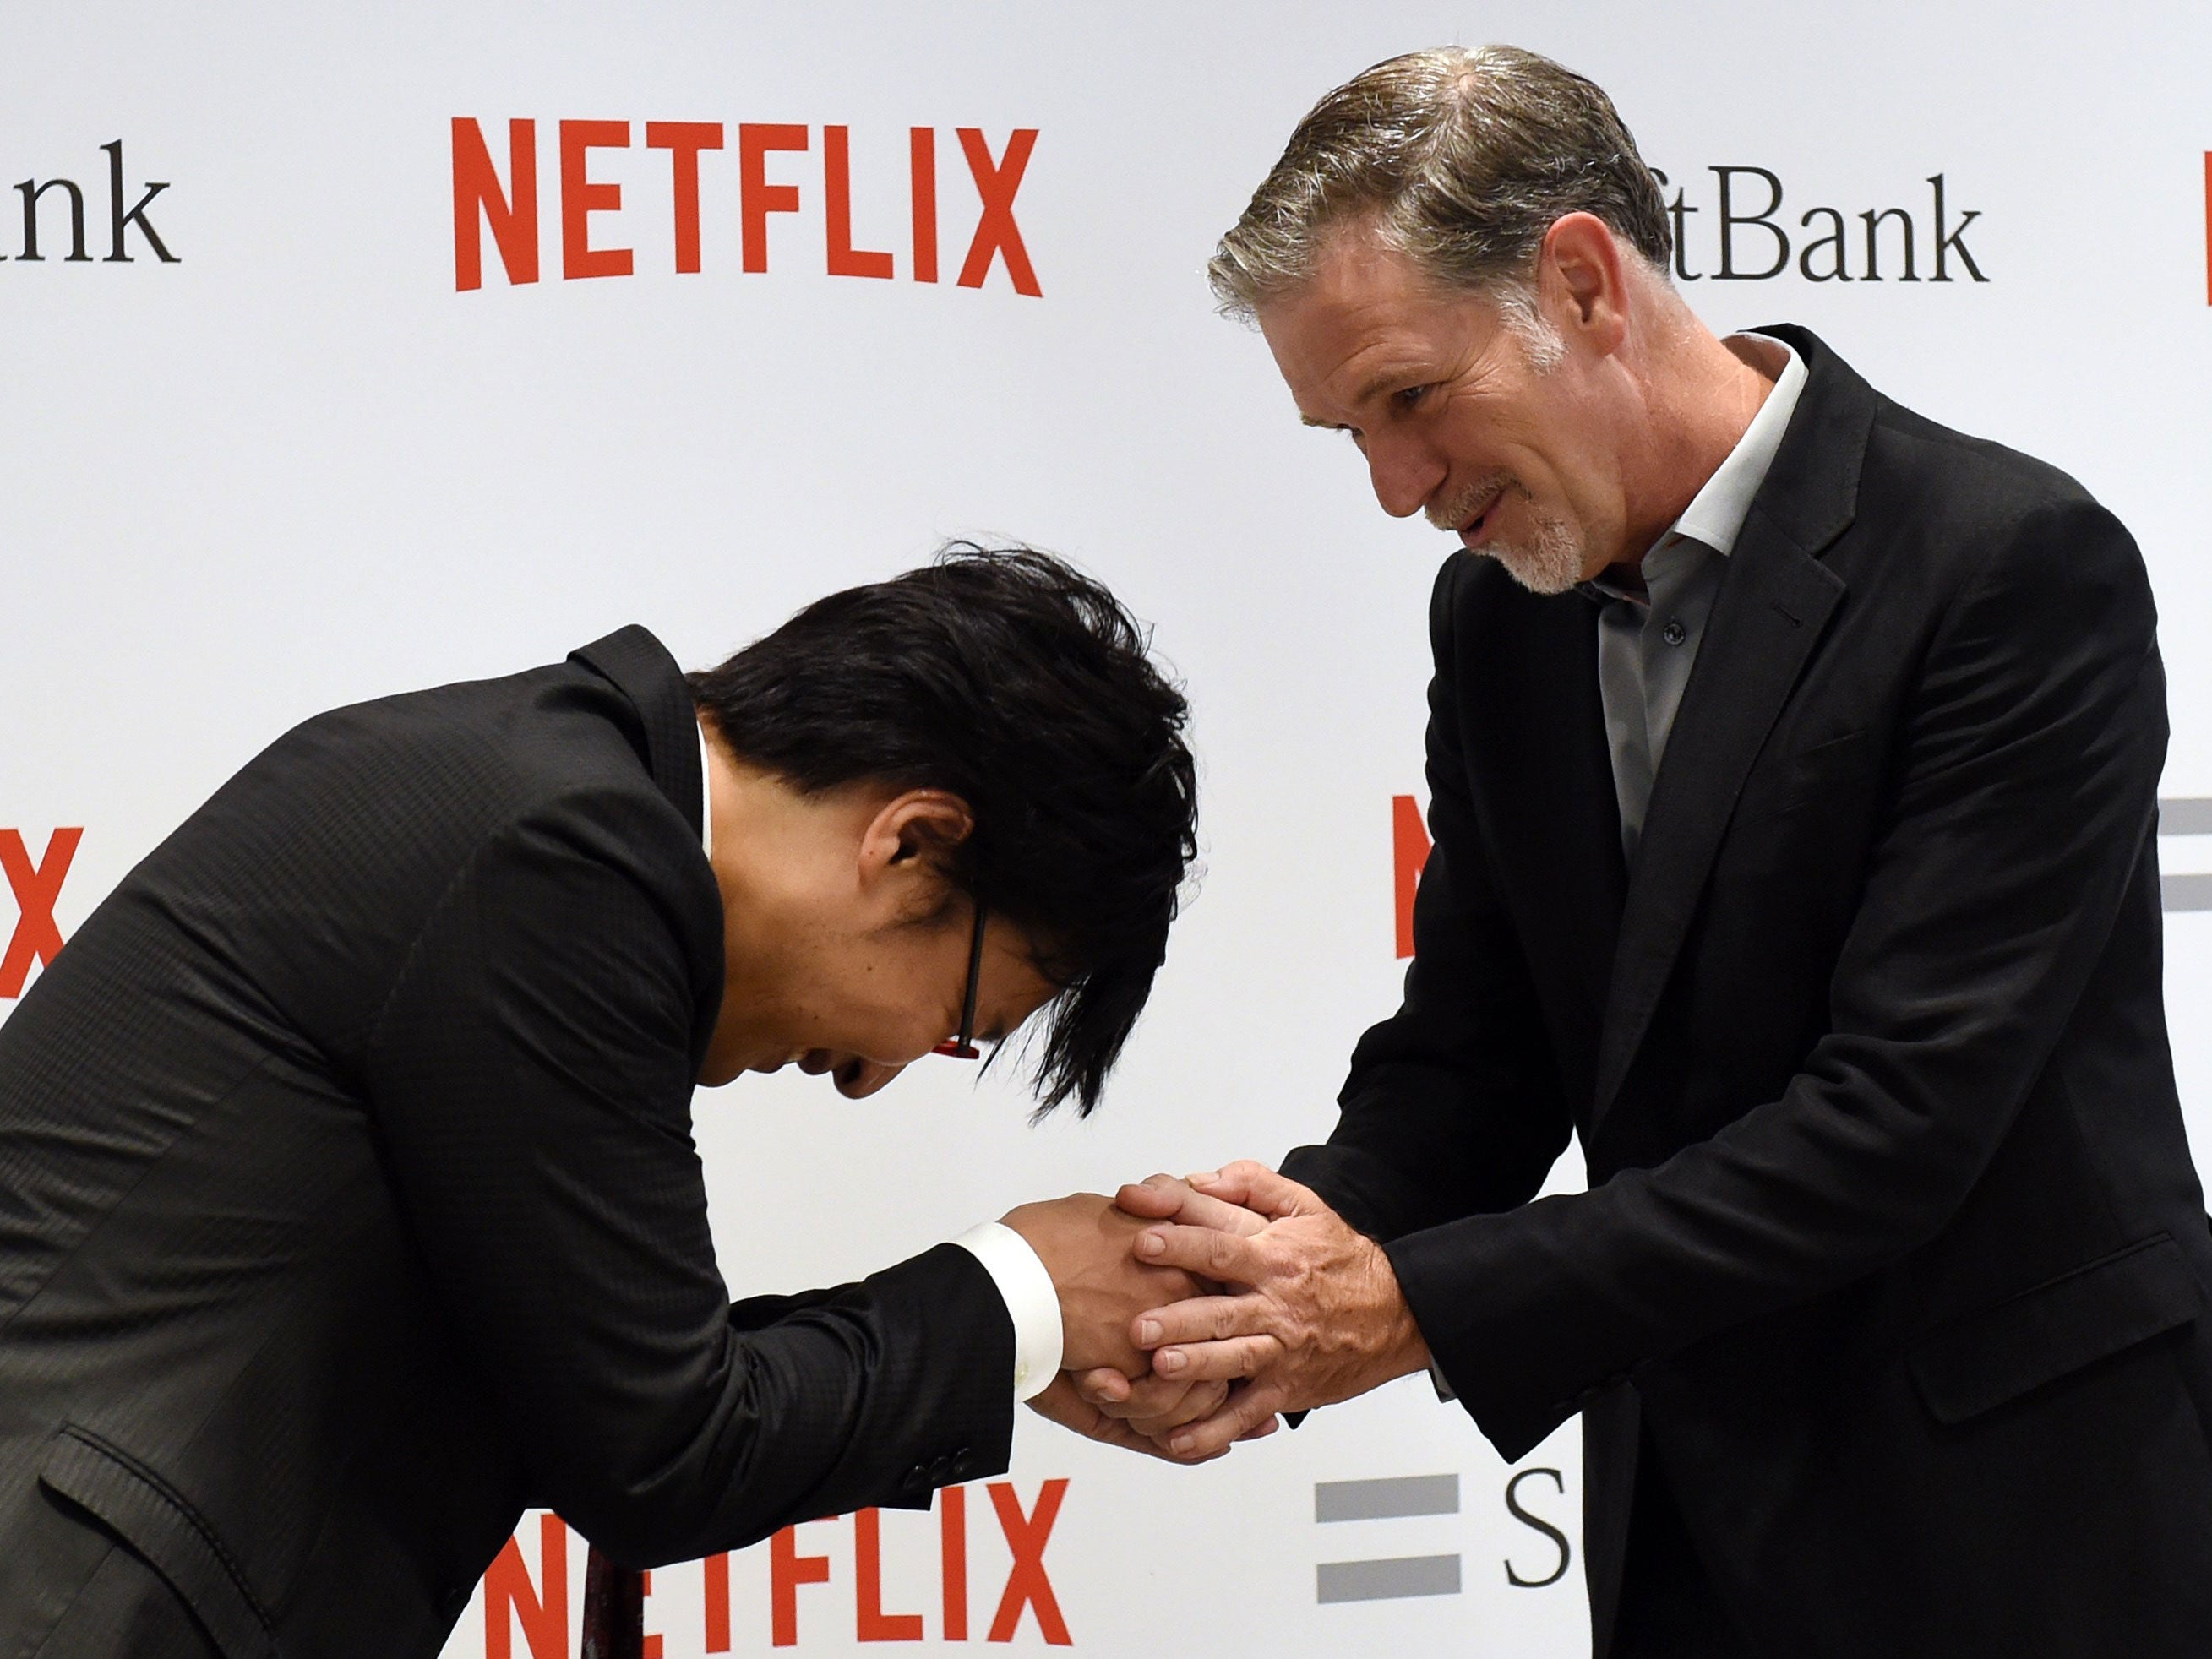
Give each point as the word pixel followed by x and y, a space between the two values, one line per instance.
pixel 1193 1311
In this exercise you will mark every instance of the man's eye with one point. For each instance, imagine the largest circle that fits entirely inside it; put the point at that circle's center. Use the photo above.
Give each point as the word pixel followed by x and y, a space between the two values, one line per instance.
pixel 1411 397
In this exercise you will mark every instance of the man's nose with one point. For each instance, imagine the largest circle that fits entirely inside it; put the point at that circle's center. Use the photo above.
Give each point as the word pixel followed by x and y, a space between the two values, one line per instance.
pixel 1404 475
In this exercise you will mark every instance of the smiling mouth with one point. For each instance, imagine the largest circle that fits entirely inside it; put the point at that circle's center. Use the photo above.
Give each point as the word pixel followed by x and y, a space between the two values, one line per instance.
pixel 1471 532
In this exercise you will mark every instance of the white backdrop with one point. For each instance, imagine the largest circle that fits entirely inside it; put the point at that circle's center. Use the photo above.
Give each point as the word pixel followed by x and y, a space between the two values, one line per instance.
pixel 297 466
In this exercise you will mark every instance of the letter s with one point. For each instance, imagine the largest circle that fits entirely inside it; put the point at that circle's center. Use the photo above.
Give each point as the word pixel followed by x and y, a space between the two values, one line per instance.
pixel 1558 1538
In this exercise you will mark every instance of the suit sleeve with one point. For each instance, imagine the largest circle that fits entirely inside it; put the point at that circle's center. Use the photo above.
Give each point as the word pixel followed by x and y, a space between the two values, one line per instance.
pixel 530 1077
pixel 1453 1105
pixel 2025 794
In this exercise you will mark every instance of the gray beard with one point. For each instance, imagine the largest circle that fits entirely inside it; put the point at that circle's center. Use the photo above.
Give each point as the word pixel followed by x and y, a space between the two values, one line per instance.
pixel 1553 564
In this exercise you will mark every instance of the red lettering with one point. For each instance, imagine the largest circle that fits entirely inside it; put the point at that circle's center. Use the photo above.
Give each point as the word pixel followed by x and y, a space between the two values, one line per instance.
pixel 787 1570
pixel 875 1625
pixel 921 156
pixel 717 1571
pixel 510 1598
pixel 580 199
pixel 683 140
pixel 1027 1585
pixel 1409 847
pixel 756 198
pixel 996 232
pixel 477 197
pixel 952 1551
pixel 652 1637
pixel 38 936
pixel 845 259
pixel 650 1650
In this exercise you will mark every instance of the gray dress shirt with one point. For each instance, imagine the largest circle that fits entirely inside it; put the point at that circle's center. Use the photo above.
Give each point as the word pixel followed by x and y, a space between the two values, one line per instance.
pixel 1655 615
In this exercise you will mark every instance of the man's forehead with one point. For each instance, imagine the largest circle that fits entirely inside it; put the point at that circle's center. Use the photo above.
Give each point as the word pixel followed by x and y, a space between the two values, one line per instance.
pixel 1354 272
pixel 1365 317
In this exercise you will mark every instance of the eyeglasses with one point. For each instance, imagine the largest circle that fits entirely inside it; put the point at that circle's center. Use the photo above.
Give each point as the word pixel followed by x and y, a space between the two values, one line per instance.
pixel 963 1045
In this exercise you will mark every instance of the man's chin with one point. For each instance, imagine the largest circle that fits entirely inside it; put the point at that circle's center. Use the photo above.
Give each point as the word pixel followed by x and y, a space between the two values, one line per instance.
pixel 1544 571
pixel 853 1076
pixel 718 1072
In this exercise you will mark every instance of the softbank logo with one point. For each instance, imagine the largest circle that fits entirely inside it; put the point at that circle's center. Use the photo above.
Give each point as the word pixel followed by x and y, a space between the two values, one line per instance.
pixel 36 938
pixel 847 1560
pixel 54 218
pixel 1744 233
pixel 771 180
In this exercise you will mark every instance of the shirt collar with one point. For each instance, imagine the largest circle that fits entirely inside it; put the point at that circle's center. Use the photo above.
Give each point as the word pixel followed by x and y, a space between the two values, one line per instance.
pixel 706 797
pixel 1715 513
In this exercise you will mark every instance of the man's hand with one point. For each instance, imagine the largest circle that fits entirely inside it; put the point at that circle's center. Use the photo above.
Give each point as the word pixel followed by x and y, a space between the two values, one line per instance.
pixel 1153 1406
pixel 1163 1198
pixel 1085 1244
pixel 1314 1316
pixel 1064 1406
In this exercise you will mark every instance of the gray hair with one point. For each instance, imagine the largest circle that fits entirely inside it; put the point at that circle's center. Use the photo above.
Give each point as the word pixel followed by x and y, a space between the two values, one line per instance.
pixel 1461 159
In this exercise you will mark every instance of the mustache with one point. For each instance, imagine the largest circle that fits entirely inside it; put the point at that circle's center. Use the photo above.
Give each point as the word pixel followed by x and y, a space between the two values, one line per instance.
pixel 1461 506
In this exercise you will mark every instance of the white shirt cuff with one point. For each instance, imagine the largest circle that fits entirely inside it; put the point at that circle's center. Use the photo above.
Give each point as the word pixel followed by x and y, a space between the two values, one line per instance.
pixel 1031 1301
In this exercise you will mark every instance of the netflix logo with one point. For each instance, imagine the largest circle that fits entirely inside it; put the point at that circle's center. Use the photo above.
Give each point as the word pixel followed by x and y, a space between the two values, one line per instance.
pixel 782 170
pixel 832 1579
pixel 36 938
pixel 1409 856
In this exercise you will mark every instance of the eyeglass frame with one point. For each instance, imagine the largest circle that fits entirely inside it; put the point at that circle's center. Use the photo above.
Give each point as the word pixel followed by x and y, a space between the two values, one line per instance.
pixel 963 1045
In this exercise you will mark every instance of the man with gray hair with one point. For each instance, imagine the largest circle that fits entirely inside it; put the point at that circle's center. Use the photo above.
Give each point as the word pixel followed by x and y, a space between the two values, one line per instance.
pixel 1793 766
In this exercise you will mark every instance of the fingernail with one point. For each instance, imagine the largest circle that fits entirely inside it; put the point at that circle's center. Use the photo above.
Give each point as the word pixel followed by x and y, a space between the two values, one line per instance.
pixel 1148 1331
pixel 1150 1243
pixel 1169 1361
pixel 1206 1178
pixel 1182 1443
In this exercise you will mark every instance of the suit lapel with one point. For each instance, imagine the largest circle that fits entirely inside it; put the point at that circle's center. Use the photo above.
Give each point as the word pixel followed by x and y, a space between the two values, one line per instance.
pixel 1542 779
pixel 643 671
pixel 1773 606
pixel 1580 843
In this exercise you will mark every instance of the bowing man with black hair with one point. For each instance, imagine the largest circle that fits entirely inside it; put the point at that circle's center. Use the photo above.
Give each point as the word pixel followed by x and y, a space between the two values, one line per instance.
pixel 347 1200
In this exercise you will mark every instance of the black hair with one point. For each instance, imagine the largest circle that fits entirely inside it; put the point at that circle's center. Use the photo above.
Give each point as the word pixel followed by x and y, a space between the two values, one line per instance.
pixel 1004 676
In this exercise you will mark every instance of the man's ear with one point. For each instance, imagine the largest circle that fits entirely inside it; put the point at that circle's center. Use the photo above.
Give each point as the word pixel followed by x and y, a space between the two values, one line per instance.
pixel 1581 281
pixel 904 845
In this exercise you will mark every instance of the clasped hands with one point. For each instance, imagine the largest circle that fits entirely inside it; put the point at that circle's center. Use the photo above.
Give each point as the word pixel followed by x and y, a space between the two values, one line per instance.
pixel 1193 1311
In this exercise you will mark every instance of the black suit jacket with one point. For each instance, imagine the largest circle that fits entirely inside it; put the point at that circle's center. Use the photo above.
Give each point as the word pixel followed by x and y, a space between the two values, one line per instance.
pixel 1894 1252
pixel 348 1204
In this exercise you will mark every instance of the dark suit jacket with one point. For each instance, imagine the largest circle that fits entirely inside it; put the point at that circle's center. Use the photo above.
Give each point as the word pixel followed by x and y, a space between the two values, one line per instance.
pixel 1894 1252
pixel 348 1204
